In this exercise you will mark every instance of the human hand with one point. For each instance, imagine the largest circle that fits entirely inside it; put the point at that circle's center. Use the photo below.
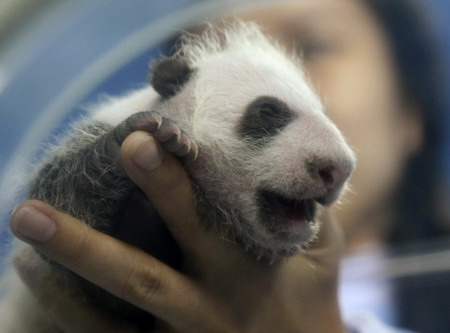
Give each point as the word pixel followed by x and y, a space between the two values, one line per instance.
pixel 221 288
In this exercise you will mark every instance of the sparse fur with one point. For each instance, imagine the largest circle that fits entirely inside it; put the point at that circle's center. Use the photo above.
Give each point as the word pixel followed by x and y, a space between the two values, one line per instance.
pixel 231 67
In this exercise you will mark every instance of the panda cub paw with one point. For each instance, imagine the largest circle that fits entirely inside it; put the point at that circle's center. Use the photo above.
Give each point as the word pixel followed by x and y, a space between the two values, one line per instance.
pixel 165 131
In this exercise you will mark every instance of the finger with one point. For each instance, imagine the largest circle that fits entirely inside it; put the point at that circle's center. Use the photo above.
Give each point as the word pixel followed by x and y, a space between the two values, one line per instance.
pixel 166 183
pixel 69 311
pixel 111 264
pixel 327 249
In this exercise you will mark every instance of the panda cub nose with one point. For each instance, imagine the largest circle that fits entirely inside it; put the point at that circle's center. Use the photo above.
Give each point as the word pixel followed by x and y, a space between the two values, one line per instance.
pixel 331 179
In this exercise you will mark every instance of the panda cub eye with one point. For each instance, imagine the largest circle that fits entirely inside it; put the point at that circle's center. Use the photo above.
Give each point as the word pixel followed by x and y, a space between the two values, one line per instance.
pixel 265 118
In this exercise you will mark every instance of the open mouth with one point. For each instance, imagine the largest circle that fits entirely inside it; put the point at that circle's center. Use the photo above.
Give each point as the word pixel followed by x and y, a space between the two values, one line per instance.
pixel 292 210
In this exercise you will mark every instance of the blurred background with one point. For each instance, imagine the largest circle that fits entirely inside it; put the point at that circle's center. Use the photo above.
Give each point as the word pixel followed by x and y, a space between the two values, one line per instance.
pixel 59 56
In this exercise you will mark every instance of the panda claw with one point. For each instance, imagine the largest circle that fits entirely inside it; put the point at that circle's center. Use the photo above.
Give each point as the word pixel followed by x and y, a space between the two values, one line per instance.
pixel 155 120
pixel 168 131
pixel 194 150
pixel 185 147
pixel 177 144
pixel 148 121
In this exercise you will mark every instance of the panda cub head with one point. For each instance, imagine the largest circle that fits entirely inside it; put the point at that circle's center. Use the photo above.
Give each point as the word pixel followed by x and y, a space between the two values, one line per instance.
pixel 269 157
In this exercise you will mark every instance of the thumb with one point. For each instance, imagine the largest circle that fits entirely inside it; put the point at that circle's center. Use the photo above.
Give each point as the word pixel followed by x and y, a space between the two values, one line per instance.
pixel 165 182
pixel 327 249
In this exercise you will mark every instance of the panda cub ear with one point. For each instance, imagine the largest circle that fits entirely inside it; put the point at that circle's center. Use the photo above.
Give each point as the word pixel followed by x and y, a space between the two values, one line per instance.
pixel 169 75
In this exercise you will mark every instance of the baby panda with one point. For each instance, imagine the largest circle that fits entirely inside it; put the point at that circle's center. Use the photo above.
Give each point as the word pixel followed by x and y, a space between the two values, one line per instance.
pixel 254 137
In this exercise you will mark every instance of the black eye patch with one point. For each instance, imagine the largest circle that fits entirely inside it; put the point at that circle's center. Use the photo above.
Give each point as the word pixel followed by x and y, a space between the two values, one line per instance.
pixel 265 117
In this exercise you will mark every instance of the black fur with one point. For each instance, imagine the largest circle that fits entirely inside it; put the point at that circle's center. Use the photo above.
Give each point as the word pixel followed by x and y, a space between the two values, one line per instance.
pixel 265 117
pixel 169 75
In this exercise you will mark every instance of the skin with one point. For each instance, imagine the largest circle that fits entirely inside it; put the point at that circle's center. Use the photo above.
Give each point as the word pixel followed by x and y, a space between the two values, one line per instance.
pixel 223 289
pixel 348 60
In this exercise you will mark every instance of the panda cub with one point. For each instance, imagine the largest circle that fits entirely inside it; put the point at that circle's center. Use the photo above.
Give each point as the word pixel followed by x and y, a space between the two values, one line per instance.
pixel 254 137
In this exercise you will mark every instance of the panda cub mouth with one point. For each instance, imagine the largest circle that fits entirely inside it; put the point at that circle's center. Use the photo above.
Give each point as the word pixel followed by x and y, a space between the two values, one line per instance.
pixel 293 210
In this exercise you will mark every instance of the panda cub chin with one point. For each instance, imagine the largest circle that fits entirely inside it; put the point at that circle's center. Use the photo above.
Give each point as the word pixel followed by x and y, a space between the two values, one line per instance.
pixel 254 137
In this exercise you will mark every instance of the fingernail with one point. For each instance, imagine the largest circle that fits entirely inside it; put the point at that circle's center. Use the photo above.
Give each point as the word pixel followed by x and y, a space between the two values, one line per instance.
pixel 31 223
pixel 147 155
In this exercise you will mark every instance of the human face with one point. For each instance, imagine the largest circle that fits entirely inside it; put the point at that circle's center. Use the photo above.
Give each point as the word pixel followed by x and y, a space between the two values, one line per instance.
pixel 348 60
